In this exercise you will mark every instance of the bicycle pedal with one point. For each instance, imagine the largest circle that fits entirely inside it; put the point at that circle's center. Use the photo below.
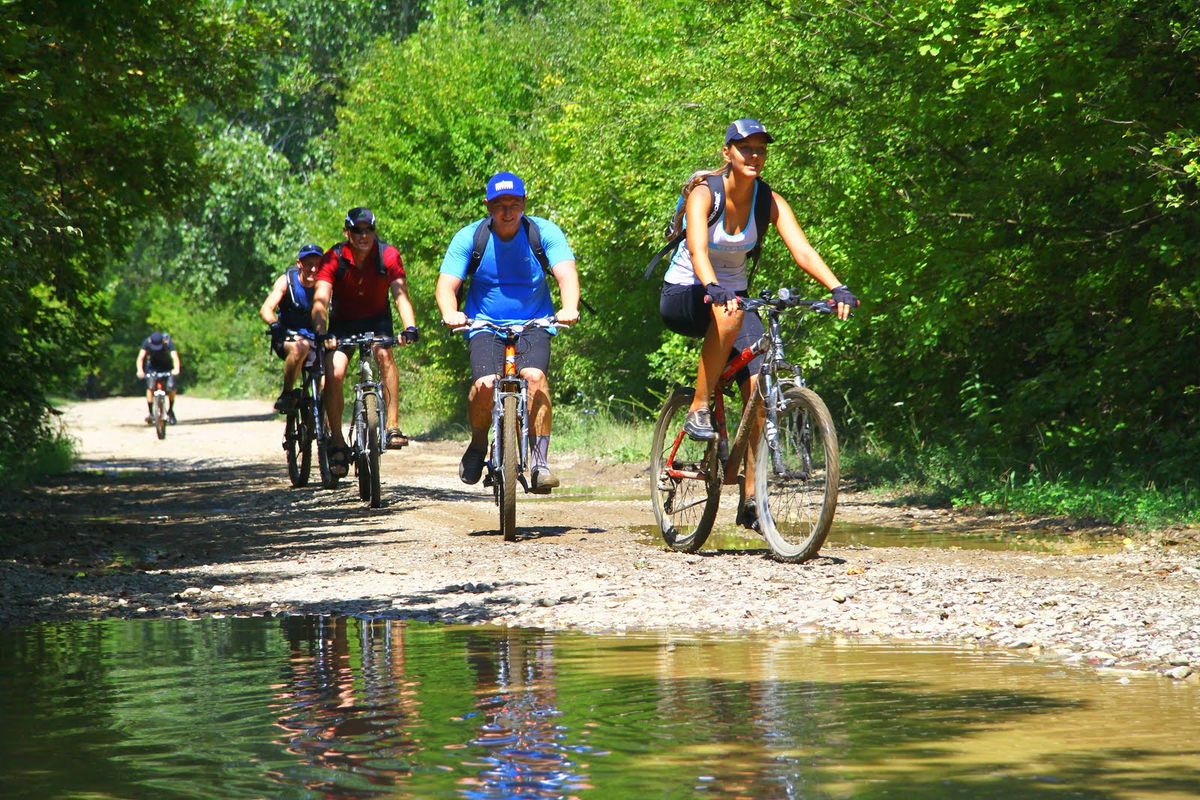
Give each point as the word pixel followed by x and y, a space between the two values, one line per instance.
pixel 488 481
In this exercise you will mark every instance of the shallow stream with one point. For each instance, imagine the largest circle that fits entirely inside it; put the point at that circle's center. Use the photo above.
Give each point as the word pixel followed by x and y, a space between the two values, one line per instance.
pixel 336 707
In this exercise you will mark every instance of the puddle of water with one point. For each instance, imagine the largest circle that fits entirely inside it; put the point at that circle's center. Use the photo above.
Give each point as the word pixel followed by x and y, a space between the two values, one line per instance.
pixel 338 708
pixel 846 534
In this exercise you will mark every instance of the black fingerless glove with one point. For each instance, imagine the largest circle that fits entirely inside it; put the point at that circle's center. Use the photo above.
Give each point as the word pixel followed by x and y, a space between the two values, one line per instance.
pixel 842 294
pixel 410 334
pixel 718 294
pixel 276 329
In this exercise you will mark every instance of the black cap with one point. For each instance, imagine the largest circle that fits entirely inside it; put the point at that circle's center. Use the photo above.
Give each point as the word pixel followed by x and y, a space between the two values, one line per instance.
pixel 359 214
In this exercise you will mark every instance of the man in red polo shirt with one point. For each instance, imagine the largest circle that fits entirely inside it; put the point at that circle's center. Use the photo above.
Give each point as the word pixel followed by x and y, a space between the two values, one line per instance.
pixel 359 274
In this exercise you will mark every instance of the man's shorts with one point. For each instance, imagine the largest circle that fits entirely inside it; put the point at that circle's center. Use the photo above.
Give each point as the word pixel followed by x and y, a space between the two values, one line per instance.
pixel 684 311
pixel 168 379
pixel 486 351
pixel 381 325
pixel 279 348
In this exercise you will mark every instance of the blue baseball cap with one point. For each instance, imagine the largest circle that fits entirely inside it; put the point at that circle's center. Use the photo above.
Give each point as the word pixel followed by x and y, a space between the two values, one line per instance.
pixel 744 128
pixel 504 183
pixel 310 250
pixel 359 214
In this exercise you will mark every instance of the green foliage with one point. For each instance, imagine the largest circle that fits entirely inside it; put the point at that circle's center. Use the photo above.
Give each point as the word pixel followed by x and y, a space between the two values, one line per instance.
pixel 97 125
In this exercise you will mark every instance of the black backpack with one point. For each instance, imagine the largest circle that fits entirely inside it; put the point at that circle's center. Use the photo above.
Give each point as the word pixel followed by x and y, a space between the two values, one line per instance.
pixel 483 234
pixel 762 218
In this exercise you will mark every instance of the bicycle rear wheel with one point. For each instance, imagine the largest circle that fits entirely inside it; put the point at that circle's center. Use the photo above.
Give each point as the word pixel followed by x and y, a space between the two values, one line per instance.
pixel 373 446
pixel 160 415
pixel 508 449
pixel 686 478
pixel 321 433
pixel 306 442
pixel 796 476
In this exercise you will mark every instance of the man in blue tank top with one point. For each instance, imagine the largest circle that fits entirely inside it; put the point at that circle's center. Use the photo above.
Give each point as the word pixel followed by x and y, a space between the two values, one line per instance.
pixel 288 307
pixel 508 285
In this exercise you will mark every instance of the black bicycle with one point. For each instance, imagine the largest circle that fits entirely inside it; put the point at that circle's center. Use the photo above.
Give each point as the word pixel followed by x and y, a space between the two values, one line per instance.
pixel 306 422
pixel 367 420
pixel 158 407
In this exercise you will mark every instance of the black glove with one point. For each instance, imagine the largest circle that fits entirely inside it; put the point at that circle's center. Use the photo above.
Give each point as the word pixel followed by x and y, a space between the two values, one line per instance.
pixel 276 330
pixel 718 294
pixel 410 334
pixel 842 294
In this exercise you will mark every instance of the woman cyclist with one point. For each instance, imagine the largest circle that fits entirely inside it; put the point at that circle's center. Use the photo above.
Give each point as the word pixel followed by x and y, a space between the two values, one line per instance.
pixel 708 273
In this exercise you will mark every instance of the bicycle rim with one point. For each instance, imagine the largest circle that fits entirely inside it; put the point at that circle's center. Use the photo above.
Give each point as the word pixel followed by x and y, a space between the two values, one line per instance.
pixel 371 409
pixel 160 416
pixel 796 477
pixel 509 453
pixel 685 478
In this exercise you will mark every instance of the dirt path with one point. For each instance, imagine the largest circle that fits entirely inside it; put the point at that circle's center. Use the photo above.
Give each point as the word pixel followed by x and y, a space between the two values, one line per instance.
pixel 206 522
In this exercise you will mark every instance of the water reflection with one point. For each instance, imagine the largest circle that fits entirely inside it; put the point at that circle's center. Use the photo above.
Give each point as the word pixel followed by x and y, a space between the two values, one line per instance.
pixel 342 708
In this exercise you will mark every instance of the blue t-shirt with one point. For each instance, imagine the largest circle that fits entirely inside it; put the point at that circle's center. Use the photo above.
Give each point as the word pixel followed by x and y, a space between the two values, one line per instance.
pixel 516 290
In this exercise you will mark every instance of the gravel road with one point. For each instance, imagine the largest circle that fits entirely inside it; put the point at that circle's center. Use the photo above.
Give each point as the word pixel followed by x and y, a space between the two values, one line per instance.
pixel 206 523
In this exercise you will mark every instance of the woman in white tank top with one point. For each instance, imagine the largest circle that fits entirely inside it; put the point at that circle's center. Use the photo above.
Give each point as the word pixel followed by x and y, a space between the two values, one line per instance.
pixel 711 263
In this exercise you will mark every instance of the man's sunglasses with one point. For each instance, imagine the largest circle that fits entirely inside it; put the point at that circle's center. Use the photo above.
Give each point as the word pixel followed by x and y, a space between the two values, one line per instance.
pixel 363 231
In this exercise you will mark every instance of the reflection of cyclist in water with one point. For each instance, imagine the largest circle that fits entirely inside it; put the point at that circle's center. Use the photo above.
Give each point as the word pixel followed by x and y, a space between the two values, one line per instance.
pixel 526 752
pixel 347 710
pixel 163 356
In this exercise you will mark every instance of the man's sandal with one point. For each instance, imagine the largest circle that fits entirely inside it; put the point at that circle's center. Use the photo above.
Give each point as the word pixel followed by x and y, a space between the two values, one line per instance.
pixel 339 461
pixel 395 439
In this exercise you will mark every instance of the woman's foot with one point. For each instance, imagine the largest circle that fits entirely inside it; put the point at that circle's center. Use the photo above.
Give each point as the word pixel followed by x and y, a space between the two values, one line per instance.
pixel 698 425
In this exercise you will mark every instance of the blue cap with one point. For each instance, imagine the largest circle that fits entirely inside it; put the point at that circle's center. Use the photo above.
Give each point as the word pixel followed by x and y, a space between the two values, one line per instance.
pixel 359 214
pixel 504 183
pixel 745 128
pixel 310 250
pixel 157 341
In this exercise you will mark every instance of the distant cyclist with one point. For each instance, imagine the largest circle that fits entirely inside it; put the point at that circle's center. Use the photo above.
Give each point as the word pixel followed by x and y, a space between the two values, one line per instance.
pixel 358 274
pixel 288 307
pixel 163 357
pixel 509 285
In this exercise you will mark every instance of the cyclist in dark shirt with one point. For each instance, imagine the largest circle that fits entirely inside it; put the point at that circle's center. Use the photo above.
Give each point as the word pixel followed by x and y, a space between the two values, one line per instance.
pixel 158 354
pixel 288 307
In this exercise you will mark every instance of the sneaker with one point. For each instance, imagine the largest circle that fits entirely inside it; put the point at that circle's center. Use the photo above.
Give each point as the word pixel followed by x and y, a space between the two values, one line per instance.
pixel 470 468
pixel 285 402
pixel 698 425
pixel 171 417
pixel 542 481
pixel 747 515
pixel 149 419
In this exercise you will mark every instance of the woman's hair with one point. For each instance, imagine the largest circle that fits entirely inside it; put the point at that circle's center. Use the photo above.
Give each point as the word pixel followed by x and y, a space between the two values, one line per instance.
pixel 697 178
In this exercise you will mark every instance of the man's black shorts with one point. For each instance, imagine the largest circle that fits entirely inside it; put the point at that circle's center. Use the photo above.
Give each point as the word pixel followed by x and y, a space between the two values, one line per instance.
pixel 684 311
pixel 486 351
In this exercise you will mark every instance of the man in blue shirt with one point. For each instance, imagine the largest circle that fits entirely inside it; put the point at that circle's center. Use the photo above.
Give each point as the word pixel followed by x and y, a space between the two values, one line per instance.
pixel 509 286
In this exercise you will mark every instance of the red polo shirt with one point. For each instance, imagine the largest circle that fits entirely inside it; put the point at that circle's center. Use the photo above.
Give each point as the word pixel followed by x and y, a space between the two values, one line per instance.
pixel 361 292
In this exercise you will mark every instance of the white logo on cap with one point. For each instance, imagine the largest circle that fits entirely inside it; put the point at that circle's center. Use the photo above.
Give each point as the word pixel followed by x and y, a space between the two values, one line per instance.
pixel 503 185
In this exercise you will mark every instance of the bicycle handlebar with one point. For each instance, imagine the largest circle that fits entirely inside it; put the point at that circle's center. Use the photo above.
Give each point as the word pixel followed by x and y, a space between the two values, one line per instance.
pixel 357 339
pixel 516 327
pixel 783 299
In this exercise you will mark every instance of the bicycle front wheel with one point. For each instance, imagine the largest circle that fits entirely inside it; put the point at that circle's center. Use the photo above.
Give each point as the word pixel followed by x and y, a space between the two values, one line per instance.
pixel 160 416
pixel 686 478
pixel 508 449
pixel 796 476
pixel 305 443
pixel 293 435
pixel 371 409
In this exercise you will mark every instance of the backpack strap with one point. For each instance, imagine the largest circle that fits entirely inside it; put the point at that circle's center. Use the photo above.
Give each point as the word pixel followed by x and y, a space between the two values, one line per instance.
pixel 479 243
pixel 344 263
pixel 716 188
pixel 764 201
